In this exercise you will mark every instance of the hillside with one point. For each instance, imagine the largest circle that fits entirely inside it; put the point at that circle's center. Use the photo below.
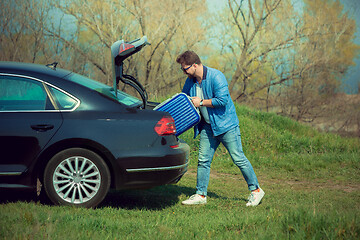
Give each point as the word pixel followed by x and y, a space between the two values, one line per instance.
pixel 278 144
pixel 311 180
pixel 269 134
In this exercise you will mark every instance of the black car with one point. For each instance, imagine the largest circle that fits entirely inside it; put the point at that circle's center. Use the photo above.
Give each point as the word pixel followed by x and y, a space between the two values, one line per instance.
pixel 79 137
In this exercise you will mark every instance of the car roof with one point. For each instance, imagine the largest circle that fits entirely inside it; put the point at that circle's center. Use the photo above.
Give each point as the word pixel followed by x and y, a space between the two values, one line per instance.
pixel 31 69
pixel 56 77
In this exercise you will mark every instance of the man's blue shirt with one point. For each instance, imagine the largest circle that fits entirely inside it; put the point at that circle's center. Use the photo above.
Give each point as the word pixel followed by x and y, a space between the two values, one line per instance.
pixel 214 85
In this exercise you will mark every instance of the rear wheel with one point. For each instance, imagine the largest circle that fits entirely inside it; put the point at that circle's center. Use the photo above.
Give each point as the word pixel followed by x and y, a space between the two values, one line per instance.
pixel 76 177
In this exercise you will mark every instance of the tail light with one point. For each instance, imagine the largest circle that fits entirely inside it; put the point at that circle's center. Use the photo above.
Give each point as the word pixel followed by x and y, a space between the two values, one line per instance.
pixel 165 126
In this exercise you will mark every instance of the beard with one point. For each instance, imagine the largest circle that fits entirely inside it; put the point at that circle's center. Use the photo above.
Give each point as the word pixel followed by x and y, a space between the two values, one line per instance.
pixel 191 75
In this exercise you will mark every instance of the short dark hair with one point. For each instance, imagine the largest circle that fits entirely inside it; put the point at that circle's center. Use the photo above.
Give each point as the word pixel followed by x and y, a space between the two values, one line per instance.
pixel 188 58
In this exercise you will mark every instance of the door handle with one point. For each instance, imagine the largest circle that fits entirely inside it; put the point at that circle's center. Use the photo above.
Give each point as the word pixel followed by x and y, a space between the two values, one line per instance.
pixel 42 127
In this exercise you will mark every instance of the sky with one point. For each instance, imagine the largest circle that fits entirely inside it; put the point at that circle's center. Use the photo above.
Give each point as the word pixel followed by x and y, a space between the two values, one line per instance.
pixel 351 80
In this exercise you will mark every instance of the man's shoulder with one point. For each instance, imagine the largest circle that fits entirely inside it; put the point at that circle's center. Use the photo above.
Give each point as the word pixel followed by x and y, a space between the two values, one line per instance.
pixel 213 73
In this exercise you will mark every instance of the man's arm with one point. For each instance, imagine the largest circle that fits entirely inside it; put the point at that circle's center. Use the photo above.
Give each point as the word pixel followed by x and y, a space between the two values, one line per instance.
pixel 220 91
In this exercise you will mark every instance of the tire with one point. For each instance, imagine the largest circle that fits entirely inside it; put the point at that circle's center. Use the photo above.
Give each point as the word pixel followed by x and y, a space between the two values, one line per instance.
pixel 76 177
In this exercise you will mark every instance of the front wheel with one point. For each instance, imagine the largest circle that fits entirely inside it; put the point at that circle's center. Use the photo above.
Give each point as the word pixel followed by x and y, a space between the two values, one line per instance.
pixel 77 177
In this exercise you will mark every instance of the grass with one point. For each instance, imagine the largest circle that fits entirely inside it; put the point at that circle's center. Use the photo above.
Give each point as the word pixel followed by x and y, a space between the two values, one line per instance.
pixel 311 180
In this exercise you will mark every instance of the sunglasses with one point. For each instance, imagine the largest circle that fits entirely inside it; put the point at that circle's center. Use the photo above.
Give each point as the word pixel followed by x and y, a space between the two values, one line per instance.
pixel 185 69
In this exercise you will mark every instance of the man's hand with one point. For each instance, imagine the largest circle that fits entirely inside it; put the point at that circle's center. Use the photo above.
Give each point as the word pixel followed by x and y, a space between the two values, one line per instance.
pixel 196 101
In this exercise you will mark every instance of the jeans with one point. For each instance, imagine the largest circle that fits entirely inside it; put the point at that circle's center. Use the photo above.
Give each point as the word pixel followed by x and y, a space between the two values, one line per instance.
pixel 232 142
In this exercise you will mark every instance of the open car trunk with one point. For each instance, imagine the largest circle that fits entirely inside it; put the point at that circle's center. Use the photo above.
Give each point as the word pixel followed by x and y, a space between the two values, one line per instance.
pixel 120 51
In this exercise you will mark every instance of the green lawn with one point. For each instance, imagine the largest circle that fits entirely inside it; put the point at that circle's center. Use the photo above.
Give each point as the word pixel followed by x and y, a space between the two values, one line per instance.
pixel 311 180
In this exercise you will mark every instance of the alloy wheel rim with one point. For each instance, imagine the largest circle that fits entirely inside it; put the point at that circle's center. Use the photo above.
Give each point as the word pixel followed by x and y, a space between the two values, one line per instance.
pixel 76 180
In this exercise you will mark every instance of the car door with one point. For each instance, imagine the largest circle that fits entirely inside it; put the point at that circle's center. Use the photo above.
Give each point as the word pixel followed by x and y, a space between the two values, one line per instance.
pixel 28 120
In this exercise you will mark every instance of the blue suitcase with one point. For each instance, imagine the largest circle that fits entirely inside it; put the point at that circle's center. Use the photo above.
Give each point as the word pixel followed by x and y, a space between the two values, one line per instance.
pixel 182 111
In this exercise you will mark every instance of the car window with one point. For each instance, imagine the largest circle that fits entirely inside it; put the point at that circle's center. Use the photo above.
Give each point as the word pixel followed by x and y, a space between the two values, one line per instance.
pixel 64 101
pixel 127 99
pixel 21 94
pixel 122 97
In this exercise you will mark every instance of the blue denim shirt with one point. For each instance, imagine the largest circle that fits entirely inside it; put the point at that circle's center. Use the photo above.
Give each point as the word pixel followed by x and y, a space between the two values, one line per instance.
pixel 214 85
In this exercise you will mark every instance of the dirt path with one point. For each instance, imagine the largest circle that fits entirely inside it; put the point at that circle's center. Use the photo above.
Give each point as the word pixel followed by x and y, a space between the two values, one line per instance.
pixel 300 184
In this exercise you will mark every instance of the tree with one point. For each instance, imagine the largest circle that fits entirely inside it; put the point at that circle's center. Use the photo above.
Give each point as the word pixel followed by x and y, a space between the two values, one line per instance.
pixel 166 25
pixel 79 34
pixel 264 33
pixel 21 30
pixel 286 59
pixel 325 55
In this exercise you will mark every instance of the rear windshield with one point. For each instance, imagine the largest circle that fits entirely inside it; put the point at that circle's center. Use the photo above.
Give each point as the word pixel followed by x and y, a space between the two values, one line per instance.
pixel 104 89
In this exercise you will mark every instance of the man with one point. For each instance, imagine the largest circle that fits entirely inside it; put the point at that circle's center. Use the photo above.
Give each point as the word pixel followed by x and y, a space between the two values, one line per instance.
pixel 209 91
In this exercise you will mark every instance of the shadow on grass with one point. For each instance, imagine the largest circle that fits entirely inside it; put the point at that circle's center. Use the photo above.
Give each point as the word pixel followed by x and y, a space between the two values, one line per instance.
pixel 15 195
pixel 156 198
